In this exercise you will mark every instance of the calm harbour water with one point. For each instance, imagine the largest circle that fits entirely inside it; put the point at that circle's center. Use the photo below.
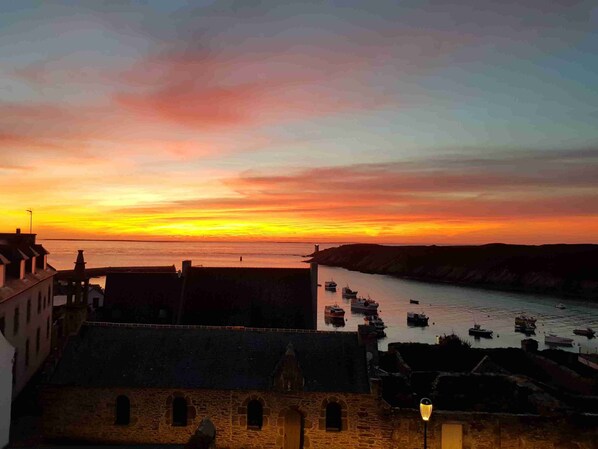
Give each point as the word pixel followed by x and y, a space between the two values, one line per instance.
pixel 450 308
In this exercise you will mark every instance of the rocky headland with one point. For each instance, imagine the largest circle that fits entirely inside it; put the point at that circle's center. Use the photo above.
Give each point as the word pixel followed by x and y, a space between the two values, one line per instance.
pixel 560 270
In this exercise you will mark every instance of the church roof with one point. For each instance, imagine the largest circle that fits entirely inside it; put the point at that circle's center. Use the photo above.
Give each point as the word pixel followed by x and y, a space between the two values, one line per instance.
pixel 164 356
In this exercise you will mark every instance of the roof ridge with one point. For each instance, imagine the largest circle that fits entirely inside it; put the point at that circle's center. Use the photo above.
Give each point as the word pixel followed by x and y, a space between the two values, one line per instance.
pixel 207 327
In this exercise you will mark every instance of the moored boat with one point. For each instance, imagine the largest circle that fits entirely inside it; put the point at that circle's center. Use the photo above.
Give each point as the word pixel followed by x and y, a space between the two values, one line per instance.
pixel 364 305
pixel 330 285
pixel 560 305
pixel 525 320
pixel 348 293
pixel 413 301
pixel 552 339
pixel 477 331
pixel 417 319
pixel 334 311
pixel 375 320
pixel 587 332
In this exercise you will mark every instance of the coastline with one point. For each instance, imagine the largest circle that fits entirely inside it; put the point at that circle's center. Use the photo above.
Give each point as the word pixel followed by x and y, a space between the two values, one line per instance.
pixel 548 270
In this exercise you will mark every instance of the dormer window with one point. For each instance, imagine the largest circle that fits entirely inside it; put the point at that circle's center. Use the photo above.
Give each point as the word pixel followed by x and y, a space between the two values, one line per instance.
pixel 45 262
pixel 22 270
pixel 2 275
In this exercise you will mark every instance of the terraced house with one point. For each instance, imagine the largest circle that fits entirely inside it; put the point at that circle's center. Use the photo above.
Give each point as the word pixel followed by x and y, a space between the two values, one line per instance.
pixel 25 303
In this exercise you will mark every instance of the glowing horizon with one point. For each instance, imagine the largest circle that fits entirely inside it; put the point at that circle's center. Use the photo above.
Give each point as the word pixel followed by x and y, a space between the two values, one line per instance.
pixel 393 122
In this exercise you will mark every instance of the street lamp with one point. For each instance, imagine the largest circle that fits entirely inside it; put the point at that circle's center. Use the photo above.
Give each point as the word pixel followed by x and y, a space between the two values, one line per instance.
pixel 425 409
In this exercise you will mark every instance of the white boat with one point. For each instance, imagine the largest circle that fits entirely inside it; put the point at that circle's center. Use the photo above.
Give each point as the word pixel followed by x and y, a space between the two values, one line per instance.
pixel 330 285
pixel 364 305
pixel 552 339
pixel 560 305
pixel 477 331
pixel 417 319
pixel 348 293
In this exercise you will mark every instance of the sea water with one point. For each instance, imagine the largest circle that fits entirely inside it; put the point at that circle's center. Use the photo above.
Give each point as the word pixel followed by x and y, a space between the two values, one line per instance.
pixel 452 309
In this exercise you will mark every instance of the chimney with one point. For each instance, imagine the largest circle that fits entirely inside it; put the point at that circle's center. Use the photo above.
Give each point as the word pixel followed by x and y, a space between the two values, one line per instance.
pixel 185 267
pixel 316 248
pixel 18 230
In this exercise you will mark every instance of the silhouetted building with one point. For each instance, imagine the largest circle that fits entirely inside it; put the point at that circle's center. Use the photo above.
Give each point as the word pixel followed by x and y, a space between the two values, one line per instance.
pixel 253 297
pixel 25 303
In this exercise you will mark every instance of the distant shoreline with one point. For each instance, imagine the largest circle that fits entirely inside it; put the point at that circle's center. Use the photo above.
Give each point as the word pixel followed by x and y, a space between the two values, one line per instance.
pixel 190 241
pixel 555 270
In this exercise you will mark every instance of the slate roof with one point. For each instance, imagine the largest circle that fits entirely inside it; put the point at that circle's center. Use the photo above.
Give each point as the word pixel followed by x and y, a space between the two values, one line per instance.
pixel 137 356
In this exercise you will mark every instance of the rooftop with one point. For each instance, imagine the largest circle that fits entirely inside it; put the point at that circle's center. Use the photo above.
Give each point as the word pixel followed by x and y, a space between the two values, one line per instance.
pixel 167 356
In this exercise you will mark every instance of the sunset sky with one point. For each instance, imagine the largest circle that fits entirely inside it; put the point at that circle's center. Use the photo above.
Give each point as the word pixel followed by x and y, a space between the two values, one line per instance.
pixel 399 121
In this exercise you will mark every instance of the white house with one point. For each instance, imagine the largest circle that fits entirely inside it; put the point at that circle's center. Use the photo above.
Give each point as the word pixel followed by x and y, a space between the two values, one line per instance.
pixel 25 303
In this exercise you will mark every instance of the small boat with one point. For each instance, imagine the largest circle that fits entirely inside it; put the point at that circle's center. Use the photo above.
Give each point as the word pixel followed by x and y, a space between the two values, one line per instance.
pixel 587 332
pixel 525 320
pixel 375 320
pixel 364 305
pixel 477 331
pixel 334 311
pixel 330 286
pixel 560 305
pixel 348 293
pixel 413 301
pixel 552 339
pixel 417 319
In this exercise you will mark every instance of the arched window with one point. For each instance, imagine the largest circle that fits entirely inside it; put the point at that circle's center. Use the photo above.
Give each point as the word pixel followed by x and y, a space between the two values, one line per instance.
pixel 179 412
pixel 123 411
pixel 255 414
pixel 333 416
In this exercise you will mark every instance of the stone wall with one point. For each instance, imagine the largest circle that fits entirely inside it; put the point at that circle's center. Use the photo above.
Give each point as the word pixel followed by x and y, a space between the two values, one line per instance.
pixel 83 414
pixel 88 415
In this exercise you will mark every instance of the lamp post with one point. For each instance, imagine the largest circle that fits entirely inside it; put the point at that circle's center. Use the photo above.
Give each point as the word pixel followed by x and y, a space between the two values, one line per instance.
pixel 425 409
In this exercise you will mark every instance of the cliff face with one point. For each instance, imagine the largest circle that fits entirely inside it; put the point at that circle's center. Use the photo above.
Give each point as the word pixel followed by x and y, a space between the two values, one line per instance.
pixel 567 270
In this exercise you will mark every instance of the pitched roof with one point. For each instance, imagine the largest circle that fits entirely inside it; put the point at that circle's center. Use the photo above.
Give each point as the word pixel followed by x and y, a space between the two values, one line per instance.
pixel 137 356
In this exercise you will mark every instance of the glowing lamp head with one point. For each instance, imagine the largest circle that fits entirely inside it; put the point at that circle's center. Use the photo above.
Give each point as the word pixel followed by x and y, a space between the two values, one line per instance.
pixel 425 408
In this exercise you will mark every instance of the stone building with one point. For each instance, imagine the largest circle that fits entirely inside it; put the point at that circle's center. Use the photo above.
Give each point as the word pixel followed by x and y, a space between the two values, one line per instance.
pixel 25 303
pixel 259 387
pixel 290 389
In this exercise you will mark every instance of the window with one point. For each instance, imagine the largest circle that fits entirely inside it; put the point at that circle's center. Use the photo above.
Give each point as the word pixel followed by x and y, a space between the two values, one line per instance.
pixel 255 414
pixel 37 341
pixel 123 411
pixel 49 294
pixel 15 327
pixel 39 303
pixel 28 310
pixel 48 328
pixel 2 324
pixel 179 412
pixel 333 416
pixel 27 353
